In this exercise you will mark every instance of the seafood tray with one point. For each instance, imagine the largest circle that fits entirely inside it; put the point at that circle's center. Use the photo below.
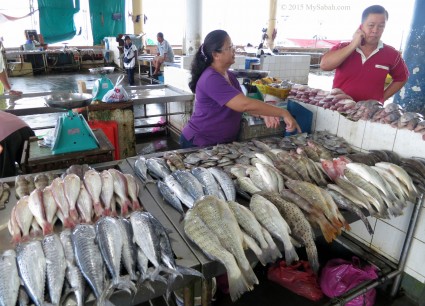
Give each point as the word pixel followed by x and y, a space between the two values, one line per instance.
pixel 281 93
pixel 259 130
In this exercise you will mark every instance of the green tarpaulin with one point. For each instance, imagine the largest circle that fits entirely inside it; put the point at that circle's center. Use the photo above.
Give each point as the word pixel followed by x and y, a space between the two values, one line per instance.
pixel 107 18
pixel 57 19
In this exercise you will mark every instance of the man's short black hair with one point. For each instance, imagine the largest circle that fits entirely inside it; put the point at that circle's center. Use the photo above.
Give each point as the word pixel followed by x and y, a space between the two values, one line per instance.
pixel 374 9
pixel 160 34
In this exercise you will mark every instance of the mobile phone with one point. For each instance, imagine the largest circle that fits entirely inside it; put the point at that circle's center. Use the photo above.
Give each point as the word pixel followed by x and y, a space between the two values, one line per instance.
pixel 363 42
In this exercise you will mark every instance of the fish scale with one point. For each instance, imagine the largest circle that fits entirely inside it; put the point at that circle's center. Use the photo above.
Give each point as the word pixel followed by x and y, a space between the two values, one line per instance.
pixel 207 180
pixel 225 183
pixel 9 278
pixel 170 197
pixel 189 182
pixel 32 269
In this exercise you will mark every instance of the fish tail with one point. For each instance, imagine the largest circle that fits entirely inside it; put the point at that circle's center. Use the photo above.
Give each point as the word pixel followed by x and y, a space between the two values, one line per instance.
pixel 98 209
pixel 103 299
pixel 250 276
pixel 312 256
pixel 328 231
pixel 68 223
pixel 290 254
pixel 47 228
pixel 106 212
pixel 136 205
pixel 275 253
pixel 237 282
pixel 146 283
pixel 124 283
pixel 74 214
pixel 189 271
pixel 124 208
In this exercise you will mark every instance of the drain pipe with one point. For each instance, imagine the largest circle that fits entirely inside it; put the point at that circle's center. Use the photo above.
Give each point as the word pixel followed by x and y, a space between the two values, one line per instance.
pixel 406 245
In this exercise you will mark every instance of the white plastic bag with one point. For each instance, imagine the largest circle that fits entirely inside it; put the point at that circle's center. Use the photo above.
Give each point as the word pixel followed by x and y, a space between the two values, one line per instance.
pixel 116 94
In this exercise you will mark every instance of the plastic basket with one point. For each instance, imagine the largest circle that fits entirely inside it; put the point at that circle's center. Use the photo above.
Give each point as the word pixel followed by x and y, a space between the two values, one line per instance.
pixel 281 93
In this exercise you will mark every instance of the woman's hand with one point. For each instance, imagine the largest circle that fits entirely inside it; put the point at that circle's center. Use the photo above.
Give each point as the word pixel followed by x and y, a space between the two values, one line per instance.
pixel 271 122
pixel 291 123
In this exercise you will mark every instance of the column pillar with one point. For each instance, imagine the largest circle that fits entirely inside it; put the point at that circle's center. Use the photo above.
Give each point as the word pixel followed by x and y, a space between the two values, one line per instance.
pixel 193 27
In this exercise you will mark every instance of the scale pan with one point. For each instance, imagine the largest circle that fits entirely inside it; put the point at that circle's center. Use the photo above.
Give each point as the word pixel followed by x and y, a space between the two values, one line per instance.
pixel 68 100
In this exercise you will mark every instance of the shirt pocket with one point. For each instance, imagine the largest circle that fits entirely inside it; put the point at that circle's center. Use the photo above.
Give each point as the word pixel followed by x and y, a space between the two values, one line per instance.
pixel 382 67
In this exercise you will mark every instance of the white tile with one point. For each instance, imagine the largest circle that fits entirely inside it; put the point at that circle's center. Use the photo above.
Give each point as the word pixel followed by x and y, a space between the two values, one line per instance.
pixel 378 136
pixel 358 228
pixel 388 240
pixel 420 227
pixel 327 120
pixel 415 259
pixel 401 222
pixel 352 234
pixel 408 143
pixel 415 275
pixel 351 131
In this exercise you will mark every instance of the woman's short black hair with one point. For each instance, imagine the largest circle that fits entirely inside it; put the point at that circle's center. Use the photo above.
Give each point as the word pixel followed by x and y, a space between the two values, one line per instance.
pixel 374 9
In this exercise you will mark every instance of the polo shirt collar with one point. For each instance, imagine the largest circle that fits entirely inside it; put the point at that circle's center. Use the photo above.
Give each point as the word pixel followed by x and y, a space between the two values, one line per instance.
pixel 364 59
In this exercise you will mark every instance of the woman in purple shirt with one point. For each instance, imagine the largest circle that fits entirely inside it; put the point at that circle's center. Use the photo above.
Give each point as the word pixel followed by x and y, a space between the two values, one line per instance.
pixel 219 101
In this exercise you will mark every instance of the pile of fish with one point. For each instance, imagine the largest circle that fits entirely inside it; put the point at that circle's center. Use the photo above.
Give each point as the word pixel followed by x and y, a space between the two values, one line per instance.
pixel 72 200
pixel 184 187
pixel 81 256
pixel 4 194
pixel 222 229
pixel 370 110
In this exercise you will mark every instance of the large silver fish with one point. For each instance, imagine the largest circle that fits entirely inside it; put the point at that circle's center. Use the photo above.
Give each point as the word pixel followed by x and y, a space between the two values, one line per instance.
pixel 55 266
pixel 268 215
pixel 9 278
pixel 32 269
pixel 209 184
pixel 197 231
pixel 89 259
pixel 179 191
pixel 158 167
pixel 73 274
pixel 129 250
pixel 189 182
pixel 225 183
pixel 109 238
pixel 170 197
pixel 219 218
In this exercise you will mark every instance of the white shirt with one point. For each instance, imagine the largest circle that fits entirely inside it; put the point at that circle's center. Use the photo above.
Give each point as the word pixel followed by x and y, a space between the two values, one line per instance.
pixel 165 50
pixel 130 53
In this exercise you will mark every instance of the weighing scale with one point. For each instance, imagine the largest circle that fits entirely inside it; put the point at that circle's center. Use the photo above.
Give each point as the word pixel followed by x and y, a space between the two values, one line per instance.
pixel 72 133
pixel 103 85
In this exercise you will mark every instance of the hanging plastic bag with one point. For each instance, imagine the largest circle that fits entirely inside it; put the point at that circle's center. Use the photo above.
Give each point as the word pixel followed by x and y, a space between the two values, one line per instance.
pixel 339 276
pixel 117 94
pixel 298 277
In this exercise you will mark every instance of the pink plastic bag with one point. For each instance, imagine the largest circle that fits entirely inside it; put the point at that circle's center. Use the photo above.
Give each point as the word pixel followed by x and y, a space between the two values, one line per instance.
pixel 339 276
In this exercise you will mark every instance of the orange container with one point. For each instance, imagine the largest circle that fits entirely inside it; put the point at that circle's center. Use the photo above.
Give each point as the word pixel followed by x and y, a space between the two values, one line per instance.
pixel 110 128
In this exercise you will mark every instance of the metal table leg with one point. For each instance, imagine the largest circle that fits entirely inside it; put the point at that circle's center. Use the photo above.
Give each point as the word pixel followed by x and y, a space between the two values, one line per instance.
pixel 206 295
pixel 189 295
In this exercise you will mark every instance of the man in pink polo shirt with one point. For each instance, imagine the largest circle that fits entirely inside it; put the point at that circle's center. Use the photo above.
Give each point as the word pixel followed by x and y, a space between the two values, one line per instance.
pixel 361 66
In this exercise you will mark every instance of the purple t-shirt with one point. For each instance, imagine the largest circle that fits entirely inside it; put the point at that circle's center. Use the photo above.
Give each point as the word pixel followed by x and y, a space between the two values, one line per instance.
pixel 212 122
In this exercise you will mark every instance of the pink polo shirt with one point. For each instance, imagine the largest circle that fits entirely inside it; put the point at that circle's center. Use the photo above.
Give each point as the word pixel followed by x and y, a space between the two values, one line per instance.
pixel 9 124
pixel 364 79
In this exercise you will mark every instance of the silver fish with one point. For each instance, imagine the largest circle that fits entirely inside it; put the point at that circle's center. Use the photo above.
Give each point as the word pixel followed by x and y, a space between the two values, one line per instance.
pixel 35 204
pixel 109 238
pixel 32 269
pixel 251 244
pixel 158 167
pixel 9 278
pixel 50 206
pixel 129 250
pixel 225 183
pixel 89 259
pixel 189 182
pixel 107 193
pixel 85 205
pixel 268 215
pixel 55 266
pixel 209 184
pixel 73 274
pixel 197 231
pixel 61 201
pixel 141 169
pixel 179 191
pixel 133 191
pixel 170 197
pixel 41 181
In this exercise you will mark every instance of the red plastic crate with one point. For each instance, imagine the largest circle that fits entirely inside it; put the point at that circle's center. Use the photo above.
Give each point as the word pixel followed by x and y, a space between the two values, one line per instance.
pixel 110 128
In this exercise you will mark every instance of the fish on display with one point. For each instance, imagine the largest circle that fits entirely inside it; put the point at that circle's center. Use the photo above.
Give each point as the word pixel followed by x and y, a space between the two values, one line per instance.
pixel 60 198
pixel 107 191
pixel 225 183
pixel 85 205
pixel 141 169
pixel 207 180
pixel 55 266
pixel 72 184
pixel 197 231
pixel 32 269
pixel 175 159
pixel 109 238
pixel 9 278
pixel 49 203
pixel 170 197
pixel 157 167
pixel 21 187
pixel 190 183
pixel 133 191
pixel 129 250
pixel 23 217
pixel 41 181
pixel 4 194
pixel 121 190
pixel 93 183
pixel 35 204
pixel 179 191
pixel 89 259
pixel 220 219
pixel 73 274
pixel 269 217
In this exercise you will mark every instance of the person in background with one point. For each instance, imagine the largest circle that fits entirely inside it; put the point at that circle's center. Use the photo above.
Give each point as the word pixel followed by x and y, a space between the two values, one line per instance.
pixel 13 132
pixel 219 101
pixel 31 40
pixel 130 57
pixel 362 65
pixel 164 54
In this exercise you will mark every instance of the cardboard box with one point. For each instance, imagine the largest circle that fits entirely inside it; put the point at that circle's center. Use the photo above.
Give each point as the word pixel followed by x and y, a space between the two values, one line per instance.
pixel 19 68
